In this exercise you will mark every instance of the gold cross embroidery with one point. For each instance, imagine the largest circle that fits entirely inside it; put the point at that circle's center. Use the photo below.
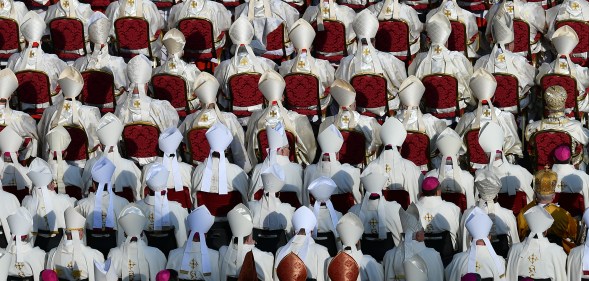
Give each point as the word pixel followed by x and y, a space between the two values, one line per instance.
pixel 501 58
pixel 1 115
pixel 77 274
pixel 70 265
pixel 136 103
pixel 533 258
pixel 204 118
pixel 438 50
pixel 131 2
pixel 575 6
pixel 193 264
pixel 447 13
pixel 487 113
pixel 477 266
pixel 1 5
pixel 562 65
pixel 67 106
pixel 428 217
pixel 346 119
pixel 193 4
pixel 131 264
pixel 243 61
pixel 273 113
pixel 387 168
pixel 19 265
pixel 172 65
pixel 366 51
pixel 31 54
pixel 510 9
pixel 388 10
pixel 532 270
pixel 66 4
pixel 374 225
pixel 325 10
pixel 301 64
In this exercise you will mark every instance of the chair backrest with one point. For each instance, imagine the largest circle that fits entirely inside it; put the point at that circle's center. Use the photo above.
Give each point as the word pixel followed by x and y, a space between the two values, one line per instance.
pixel 78 148
pixel 33 87
pixel 400 196
pixel 98 5
pixel 67 34
pixel 415 148
pixel 353 150
pixel 342 202
pixel 543 143
pixel 275 39
pixel 441 91
pixel 172 88
pixel 507 91
pixel 458 40
pixel 132 33
pixel 371 90
pixel 141 140
pixel 474 151
pixel 458 199
pixel 513 202
pixel 219 204
pixel 392 36
pixel 569 83
pixel 582 30
pixel 574 203
pixel 198 32
pixel 244 89
pixel 301 92
pixel 263 145
pixel 198 146
pixel 99 88
pixel 9 34
pixel 521 36
pixel 332 39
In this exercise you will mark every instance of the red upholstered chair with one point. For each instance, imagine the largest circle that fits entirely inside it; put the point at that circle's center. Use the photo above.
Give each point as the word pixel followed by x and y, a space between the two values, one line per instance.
pixel 400 196
pixel 32 5
pixel 132 33
pixel 140 140
pixel 356 7
pixel 275 42
pixel 521 36
pixel 582 30
pixel 231 4
pixel 569 83
pixel 9 38
pixel 33 88
pixel 542 145
pixel 507 92
pixel 262 150
pixel 514 203
pixel 289 197
pixel 98 5
pixel 574 203
pixel 302 92
pixel 198 146
pixel 476 8
pixel 13 189
pixel 182 197
pixel 219 204
pixel 163 5
pixel 342 202
pixel 98 90
pixel 172 88
pixel 474 151
pixel 458 199
pixel 371 92
pixel 441 91
pixel 78 148
pixel 393 36
pixel 458 40
pixel 199 37
pixel 331 40
pixel 353 150
pixel 416 148
pixel 67 35
pixel 245 92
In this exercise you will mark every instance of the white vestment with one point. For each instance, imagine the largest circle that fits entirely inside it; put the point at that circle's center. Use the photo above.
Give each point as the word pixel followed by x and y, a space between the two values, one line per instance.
pixel 66 175
pixel 188 71
pixel 341 13
pixel 72 265
pixel 81 12
pixel 126 174
pixel 9 204
pixel 33 262
pixel 368 211
pixel 514 178
pixel 237 180
pixel 315 260
pixel 271 214
pixel 195 271
pixel 125 260
pixel 485 265
pixel 293 178
pixel 402 173
pixel 504 222
pixel 45 218
pixel 567 10
pixel 177 217
pixel 571 180
pixel 463 185
pixel 437 215
pixel 15 174
pixel 575 264
pixel 465 17
pixel 25 126
pixel 86 208
pixel 263 261
pixel 103 61
pixel 541 260
pixel 432 126
pixel 394 258
pixel 185 174
pixel 345 176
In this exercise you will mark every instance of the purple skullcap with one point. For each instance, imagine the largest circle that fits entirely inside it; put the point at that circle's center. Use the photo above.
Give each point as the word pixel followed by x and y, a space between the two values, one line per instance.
pixel 48 275
pixel 562 153
pixel 471 277
pixel 430 183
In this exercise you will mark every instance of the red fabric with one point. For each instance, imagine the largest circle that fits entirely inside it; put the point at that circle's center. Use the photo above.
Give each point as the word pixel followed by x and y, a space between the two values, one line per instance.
pixel 332 39
pixel 392 36
pixel 199 36
pixel 275 39
pixel 416 148
pixel 198 145
pixel 172 88
pixel 20 194
pixel 132 33
pixel 506 94
pixel 342 202
pixel 515 203
pixel 98 5
pixel 572 202
pixel 289 197
pixel 543 144
pixel 33 87
pixel 67 34
pixel 353 150
pixel 474 151
pixel 441 91
pixel 182 197
pixel 78 148
pixel 163 5
pixel 458 37
pixel 302 92
pixel 9 37
pixel 263 145
pixel 332 59
pixel 127 193
pixel 230 4
pixel 458 199
pixel 245 92
pixel 371 90
pixel 356 7
pixel 141 140
pixel 521 35
pixel 74 191
pixel 567 82
pixel 582 30
pixel 32 5
pixel 98 88
pixel 398 195
pixel 219 205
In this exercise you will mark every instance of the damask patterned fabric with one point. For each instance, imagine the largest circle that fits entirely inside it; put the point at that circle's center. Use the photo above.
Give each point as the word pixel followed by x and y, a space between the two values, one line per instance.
pixel 182 197
pixel 567 82
pixel 393 36
pixel 141 140
pixel 458 38
pixel 33 87
pixel 275 39
pixel 398 195
pixel 218 204
pixel 506 93
pixel 416 148
pixel 343 268
pixel 352 151
pixel 371 90
pixel 572 202
pixel 342 202
pixel 198 33
pixel 163 5
pixel 543 144
pixel 441 91
pixel 98 5
pixel 332 39
pixel 459 199
pixel 263 145
pixel 9 36
pixel 514 203
pixel 67 34
pixel 33 5
pixel 198 146
pixel 302 91
pixel 98 88
pixel 132 33
pixel 78 148
pixel 582 30
pixel 291 268
pixel 172 88
pixel 245 92
pixel 521 36
pixel 474 151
